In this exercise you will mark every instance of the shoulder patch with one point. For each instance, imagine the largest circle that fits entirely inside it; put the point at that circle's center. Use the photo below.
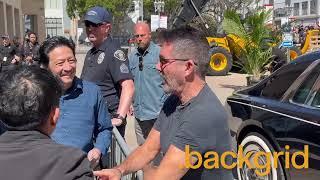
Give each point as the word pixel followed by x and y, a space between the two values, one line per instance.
pixel 100 58
pixel 119 54
pixel 124 68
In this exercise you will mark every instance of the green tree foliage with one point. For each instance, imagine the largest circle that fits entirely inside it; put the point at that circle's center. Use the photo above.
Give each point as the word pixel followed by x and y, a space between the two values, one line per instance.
pixel 79 7
pixel 253 32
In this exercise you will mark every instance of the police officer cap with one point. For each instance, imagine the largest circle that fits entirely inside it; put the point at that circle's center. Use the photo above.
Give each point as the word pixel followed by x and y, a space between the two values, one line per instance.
pixel 5 36
pixel 98 15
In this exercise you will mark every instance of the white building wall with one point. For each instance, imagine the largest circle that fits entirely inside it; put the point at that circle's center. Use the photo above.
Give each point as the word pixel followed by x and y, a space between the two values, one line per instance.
pixel 309 18
pixel 54 17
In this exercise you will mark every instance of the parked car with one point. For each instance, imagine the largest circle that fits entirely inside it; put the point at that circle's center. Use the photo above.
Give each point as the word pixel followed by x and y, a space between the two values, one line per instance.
pixel 283 109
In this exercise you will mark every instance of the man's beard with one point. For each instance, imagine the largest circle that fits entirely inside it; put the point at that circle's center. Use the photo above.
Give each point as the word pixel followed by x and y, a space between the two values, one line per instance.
pixel 170 85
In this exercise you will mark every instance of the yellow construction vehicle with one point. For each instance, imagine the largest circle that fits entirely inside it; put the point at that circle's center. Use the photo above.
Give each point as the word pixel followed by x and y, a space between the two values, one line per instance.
pixel 227 49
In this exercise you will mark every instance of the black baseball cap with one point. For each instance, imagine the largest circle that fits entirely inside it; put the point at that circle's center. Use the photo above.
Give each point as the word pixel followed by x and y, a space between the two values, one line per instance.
pixel 98 15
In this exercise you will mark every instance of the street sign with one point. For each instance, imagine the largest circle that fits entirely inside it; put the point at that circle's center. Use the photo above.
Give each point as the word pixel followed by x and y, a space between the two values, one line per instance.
pixel 287 37
pixel 287 44
pixel 287 40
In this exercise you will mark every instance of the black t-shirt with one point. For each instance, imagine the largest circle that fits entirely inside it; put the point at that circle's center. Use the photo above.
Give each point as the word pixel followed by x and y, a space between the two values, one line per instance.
pixel 107 66
pixel 32 51
pixel 7 54
pixel 202 124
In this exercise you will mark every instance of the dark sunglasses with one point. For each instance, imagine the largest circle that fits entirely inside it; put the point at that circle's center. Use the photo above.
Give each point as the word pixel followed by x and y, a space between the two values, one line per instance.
pixel 88 24
pixel 170 60
pixel 140 63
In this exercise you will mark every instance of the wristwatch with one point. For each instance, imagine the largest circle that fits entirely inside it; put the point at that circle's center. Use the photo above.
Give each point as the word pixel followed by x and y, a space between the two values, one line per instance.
pixel 118 116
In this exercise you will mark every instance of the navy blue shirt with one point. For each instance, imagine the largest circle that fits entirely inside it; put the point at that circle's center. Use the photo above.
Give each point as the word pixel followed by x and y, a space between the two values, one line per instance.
pixel 106 66
pixel 84 121
pixel 150 96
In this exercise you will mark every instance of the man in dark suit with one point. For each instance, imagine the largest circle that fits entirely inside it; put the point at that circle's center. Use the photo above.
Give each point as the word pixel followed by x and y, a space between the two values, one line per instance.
pixel 29 110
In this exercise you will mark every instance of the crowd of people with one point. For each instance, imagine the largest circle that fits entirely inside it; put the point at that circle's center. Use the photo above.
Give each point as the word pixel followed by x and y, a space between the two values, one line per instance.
pixel 13 51
pixel 55 125
pixel 300 33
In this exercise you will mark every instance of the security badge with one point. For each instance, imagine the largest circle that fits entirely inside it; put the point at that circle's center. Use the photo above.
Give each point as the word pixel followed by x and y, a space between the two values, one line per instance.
pixel 100 58
pixel 119 54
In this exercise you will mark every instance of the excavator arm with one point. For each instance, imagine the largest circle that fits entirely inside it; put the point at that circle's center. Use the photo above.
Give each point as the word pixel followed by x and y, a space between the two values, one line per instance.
pixel 187 11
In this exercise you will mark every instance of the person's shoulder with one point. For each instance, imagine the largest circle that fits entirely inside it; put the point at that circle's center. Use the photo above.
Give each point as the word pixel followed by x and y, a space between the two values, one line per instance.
pixel 154 45
pixel 89 85
pixel 207 105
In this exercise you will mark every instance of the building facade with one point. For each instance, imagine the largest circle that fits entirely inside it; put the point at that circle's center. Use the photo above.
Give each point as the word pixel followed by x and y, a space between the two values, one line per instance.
pixel 11 18
pixel 33 17
pixel 301 12
pixel 57 22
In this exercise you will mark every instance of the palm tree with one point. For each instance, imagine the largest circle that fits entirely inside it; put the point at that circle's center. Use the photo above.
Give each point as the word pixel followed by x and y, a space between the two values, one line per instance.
pixel 253 32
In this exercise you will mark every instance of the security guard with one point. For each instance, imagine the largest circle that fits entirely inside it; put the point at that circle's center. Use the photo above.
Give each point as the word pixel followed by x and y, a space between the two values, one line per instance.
pixel 7 54
pixel 107 66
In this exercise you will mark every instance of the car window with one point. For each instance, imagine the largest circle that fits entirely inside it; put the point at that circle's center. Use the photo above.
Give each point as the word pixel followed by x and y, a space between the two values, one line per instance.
pixel 304 90
pixel 282 80
pixel 316 100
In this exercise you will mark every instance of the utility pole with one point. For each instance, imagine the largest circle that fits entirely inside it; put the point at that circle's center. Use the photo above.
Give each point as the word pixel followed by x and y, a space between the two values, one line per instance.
pixel 141 6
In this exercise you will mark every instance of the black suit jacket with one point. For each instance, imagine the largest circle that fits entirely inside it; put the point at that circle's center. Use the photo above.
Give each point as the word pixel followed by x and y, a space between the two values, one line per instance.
pixel 31 155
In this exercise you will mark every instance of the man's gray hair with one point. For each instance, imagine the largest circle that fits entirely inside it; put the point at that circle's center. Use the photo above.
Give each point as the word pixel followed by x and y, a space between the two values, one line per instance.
pixel 188 43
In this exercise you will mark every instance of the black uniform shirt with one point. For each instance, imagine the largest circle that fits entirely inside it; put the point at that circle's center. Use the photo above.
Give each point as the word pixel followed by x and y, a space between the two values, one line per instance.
pixel 107 66
pixel 32 51
pixel 7 54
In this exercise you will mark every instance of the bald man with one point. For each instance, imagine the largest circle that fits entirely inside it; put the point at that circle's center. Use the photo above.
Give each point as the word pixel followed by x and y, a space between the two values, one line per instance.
pixel 149 95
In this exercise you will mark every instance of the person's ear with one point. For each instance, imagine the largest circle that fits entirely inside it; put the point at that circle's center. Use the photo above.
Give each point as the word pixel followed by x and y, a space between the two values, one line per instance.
pixel 54 116
pixel 189 67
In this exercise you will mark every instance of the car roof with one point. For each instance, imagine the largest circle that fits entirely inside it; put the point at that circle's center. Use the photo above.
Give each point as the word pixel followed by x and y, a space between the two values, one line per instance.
pixel 309 57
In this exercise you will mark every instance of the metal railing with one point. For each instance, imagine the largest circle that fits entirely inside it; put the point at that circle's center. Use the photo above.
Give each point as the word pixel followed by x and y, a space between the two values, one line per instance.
pixel 119 150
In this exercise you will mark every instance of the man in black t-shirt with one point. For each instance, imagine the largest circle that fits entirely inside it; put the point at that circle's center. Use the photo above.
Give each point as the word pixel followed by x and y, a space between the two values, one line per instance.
pixel 191 117
pixel 30 50
pixel 8 53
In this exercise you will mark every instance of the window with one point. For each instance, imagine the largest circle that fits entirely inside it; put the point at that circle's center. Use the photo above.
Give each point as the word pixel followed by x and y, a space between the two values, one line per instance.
pixel 54 26
pixel 304 91
pixel 296 9
pixel 279 82
pixel 313 7
pixel 316 100
pixel 305 8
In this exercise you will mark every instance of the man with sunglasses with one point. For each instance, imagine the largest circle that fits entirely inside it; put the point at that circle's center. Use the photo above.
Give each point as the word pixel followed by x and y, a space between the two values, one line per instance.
pixel 192 117
pixel 150 97
pixel 107 66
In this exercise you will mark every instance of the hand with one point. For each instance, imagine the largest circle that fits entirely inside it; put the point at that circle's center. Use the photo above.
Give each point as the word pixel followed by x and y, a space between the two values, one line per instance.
pixel 116 121
pixel 15 60
pixel 94 155
pixel 108 174
pixel 29 59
